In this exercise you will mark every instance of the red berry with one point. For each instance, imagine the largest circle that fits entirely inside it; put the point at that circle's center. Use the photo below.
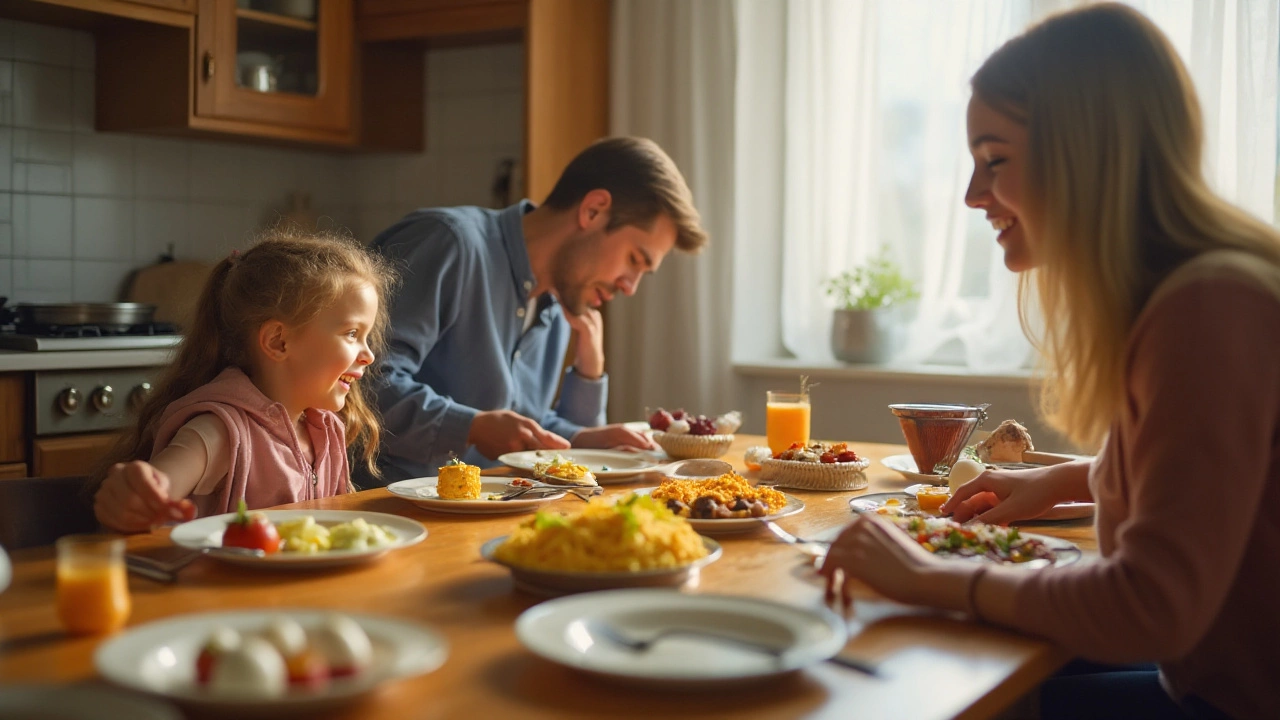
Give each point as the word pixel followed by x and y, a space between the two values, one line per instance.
pixel 678 414
pixel 660 420
pixel 827 458
pixel 847 456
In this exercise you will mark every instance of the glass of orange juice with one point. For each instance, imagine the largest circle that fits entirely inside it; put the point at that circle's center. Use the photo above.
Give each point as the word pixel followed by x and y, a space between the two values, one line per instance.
pixel 786 420
pixel 93 587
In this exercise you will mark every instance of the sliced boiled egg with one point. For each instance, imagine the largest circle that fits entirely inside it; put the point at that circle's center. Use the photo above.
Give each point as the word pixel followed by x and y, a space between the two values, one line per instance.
pixel 343 643
pixel 253 669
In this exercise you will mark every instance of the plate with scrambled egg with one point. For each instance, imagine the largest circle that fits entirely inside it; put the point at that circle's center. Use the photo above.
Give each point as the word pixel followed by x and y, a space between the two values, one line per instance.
pixel 311 539
pixel 725 504
pixel 423 493
pixel 605 465
pixel 633 542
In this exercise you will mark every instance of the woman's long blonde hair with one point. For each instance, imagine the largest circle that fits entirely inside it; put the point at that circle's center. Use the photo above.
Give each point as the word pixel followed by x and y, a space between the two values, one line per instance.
pixel 1114 197
pixel 289 275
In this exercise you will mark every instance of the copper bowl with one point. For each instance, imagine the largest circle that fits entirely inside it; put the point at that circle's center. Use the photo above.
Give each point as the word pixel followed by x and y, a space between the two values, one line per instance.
pixel 936 433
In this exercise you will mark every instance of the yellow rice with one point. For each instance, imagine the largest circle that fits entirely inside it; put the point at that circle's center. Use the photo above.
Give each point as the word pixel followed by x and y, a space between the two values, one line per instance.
pixel 634 534
pixel 458 481
pixel 725 489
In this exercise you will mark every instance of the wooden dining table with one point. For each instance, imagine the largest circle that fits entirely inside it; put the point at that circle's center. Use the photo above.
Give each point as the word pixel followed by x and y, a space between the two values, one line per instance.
pixel 932 665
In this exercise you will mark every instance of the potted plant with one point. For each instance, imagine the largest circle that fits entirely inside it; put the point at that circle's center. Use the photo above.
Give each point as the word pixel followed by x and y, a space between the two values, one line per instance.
pixel 864 328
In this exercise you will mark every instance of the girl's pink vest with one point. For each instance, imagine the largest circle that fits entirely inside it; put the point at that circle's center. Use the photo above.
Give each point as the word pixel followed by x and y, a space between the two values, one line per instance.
pixel 267 465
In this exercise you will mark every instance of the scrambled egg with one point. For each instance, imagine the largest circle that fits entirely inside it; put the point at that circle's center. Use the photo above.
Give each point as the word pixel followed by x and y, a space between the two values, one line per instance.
pixel 305 535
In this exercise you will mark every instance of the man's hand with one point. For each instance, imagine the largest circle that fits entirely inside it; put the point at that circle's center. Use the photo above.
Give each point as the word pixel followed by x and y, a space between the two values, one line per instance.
pixel 497 432
pixel 611 436
pixel 589 359
pixel 135 496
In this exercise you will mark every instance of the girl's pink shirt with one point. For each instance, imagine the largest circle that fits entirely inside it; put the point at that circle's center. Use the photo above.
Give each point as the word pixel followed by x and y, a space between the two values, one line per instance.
pixel 1188 494
pixel 267 465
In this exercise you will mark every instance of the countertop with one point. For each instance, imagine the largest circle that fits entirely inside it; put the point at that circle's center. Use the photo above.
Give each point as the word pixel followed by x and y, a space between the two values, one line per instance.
pixel 24 360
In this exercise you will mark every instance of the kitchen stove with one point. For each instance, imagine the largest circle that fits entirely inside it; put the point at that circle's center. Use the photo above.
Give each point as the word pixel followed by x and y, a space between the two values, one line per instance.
pixel 40 338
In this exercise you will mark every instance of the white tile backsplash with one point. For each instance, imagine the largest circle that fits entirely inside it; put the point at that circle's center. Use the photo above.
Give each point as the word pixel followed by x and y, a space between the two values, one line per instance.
pixel 41 96
pixel 103 165
pixel 79 210
pixel 159 227
pixel 41 226
pixel 99 280
pixel 160 168
pixel 103 229
pixel 43 44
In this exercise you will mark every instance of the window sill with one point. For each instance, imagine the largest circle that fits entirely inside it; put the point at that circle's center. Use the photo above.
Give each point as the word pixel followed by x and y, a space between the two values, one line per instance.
pixel 940 374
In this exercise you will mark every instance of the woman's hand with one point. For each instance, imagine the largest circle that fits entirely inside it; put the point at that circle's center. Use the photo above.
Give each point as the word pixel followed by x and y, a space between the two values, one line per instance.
pixel 884 557
pixel 135 496
pixel 1000 497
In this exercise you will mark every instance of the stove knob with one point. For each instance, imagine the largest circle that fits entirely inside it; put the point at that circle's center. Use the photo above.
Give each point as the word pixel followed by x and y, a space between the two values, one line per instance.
pixel 139 396
pixel 69 401
pixel 103 398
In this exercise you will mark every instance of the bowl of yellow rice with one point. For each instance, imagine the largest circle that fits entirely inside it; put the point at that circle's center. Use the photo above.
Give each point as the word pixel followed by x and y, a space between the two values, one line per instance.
pixel 634 542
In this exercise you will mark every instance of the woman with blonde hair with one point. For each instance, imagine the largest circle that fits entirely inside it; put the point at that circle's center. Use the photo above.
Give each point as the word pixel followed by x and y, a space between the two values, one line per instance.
pixel 1161 307
pixel 265 395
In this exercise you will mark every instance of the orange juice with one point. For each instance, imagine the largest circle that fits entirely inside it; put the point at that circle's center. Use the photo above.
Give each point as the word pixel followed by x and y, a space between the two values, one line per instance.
pixel 786 420
pixel 93 589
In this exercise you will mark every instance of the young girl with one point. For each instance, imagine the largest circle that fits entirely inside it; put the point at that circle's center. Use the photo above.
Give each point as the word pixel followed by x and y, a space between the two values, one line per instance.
pixel 1161 305
pixel 264 384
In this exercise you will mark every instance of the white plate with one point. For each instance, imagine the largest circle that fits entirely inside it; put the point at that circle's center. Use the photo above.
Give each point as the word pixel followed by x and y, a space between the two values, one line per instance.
pixel 565 631
pixel 207 532
pixel 906 465
pixel 1066 552
pixel 621 464
pixel 554 582
pixel 160 658
pixel 1061 511
pixel 724 526
pixel 79 702
pixel 422 492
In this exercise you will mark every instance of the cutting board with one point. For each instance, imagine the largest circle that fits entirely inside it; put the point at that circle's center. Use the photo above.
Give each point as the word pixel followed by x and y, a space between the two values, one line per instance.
pixel 173 287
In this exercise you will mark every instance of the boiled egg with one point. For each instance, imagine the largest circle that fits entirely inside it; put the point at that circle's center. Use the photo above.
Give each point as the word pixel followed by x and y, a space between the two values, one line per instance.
pixel 343 643
pixel 962 472
pixel 254 669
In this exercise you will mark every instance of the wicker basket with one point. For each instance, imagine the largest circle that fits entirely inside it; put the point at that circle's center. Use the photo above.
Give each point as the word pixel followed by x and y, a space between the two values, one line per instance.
pixel 686 447
pixel 815 476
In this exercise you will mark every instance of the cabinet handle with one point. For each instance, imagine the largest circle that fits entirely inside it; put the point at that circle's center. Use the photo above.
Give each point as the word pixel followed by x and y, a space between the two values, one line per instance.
pixel 208 66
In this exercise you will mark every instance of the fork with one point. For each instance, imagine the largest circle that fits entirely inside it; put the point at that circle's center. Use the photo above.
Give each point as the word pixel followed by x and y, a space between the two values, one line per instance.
pixel 787 537
pixel 639 645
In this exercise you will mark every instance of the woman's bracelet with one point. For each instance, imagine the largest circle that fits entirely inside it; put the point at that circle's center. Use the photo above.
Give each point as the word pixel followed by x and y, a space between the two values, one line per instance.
pixel 971 601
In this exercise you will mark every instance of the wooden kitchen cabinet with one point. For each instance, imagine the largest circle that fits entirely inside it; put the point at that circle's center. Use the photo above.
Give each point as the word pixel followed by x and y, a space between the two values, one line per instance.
pixel 13 471
pixel 244 71
pixel 380 20
pixel 13 418
pixel 70 455
pixel 188 6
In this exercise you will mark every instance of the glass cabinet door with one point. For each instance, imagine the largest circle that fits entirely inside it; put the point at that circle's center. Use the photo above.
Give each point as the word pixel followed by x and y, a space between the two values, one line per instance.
pixel 287 62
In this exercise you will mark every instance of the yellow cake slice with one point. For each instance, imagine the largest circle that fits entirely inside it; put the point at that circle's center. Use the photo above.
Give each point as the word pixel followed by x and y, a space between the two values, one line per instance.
pixel 458 481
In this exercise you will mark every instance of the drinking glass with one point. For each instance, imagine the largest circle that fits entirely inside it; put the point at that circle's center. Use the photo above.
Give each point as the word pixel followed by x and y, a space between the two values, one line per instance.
pixel 786 420
pixel 93 587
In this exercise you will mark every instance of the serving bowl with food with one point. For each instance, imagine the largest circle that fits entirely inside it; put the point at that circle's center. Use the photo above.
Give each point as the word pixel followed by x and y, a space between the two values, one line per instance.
pixel 302 539
pixel 816 466
pixel 261 663
pixel 725 504
pixel 685 436
pixel 633 542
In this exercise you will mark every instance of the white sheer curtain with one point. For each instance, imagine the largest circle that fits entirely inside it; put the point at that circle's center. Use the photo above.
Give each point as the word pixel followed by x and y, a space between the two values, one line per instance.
pixel 673 80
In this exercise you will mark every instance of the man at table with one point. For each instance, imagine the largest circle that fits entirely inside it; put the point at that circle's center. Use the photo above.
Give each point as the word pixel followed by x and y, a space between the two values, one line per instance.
pixel 481 323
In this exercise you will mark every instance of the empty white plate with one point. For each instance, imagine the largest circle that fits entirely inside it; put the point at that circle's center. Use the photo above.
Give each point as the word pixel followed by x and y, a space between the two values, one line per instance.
pixel 207 532
pixel 579 632
pixel 160 658
pixel 422 492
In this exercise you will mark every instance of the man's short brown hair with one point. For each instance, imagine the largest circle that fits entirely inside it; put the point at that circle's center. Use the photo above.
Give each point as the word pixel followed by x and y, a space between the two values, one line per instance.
pixel 643 181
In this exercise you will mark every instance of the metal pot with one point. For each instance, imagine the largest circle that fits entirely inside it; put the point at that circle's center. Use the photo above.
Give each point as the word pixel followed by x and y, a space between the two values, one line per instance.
pixel 114 316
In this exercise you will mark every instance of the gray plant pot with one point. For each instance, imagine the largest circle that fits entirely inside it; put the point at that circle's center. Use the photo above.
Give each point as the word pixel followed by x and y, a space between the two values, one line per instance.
pixel 866 336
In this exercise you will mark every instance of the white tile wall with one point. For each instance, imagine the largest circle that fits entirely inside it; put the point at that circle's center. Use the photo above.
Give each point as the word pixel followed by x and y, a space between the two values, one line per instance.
pixel 80 210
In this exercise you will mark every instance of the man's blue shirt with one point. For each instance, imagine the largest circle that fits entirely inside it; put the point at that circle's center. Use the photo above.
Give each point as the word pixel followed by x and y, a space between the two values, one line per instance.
pixel 457 344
